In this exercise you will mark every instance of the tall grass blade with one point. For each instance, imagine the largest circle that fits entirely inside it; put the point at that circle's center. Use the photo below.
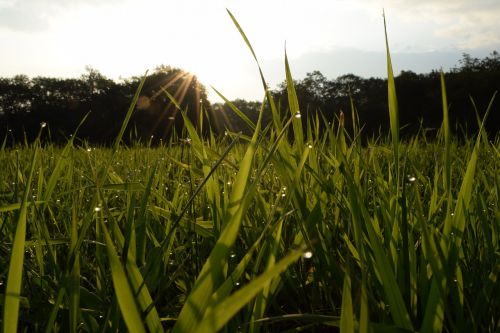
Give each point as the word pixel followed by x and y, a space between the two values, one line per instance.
pixel 217 317
pixel 346 314
pixel 123 291
pixel 16 264
pixel 393 104
pixel 211 276
pixel 129 113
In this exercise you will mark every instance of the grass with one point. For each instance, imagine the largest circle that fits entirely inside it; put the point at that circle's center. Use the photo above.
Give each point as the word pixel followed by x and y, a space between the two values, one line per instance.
pixel 254 234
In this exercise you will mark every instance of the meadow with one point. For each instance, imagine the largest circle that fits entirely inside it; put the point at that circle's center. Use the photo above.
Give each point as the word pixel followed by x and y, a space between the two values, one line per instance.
pixel 294 228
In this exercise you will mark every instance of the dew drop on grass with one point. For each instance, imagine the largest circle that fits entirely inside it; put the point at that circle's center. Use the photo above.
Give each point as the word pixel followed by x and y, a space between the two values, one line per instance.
pixel 307 255
pixel 233 255
pixel 411 179
pixel 298 115
pixel 43 124
pixel 97 209
pixel 89 149
pixel 309 145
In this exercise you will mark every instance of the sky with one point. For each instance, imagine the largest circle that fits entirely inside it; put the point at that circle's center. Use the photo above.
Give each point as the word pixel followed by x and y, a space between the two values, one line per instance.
pixel 124 38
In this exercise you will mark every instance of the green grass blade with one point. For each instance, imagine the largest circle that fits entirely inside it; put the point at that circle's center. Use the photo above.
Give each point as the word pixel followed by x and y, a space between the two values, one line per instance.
pixel 216 318
pixel 293 103
pixel 346 314
pixel 233 107
pixel 123 291
pixel 74 283
pixel 15 275
pixel 210 276
pixel 393 104
pixel 129 113
pixel 447 138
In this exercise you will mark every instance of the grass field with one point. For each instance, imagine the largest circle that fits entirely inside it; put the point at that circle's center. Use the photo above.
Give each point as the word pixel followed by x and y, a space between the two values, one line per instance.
pixel 253 234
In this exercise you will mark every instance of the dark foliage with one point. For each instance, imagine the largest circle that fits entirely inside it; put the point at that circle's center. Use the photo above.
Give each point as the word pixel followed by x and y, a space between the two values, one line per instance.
pixel 62 103
pixel 473 82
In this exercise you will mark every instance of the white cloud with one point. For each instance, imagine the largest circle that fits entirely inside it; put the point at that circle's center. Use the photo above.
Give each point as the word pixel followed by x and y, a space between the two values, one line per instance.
pixel 457 24
pixel 35 15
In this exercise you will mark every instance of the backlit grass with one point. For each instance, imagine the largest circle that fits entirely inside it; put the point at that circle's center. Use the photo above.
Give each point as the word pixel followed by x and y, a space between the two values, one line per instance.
pixel 253 234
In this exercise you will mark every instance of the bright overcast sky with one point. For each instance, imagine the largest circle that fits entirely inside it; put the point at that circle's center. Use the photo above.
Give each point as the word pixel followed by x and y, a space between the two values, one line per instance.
pixel 123 38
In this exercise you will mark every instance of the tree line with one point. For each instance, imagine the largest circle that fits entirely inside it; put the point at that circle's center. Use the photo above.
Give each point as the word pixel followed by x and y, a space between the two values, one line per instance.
pixel 61 104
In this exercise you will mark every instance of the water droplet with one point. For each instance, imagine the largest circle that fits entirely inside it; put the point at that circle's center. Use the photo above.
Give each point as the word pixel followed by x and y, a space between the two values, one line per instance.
pixel 237 283
pixel 309 145
pixel 307 255
pixel 229 183
pixel 233 255
pixel 171 118
pixel 298 115
pixel 97 209
pixel 43 124
pixel 411 179
pixel 89 149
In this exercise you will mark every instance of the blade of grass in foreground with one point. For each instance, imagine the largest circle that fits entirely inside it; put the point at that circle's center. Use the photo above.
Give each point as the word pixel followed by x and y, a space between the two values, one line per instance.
pixel 388 280
pixel 216 318
pixel 452 236
pixel 14 279
pixel 129 113
pixel 210 276
pixel 393 105
pixel 123 291
pixel 346 315
pixel 447 143
pixel 293 102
